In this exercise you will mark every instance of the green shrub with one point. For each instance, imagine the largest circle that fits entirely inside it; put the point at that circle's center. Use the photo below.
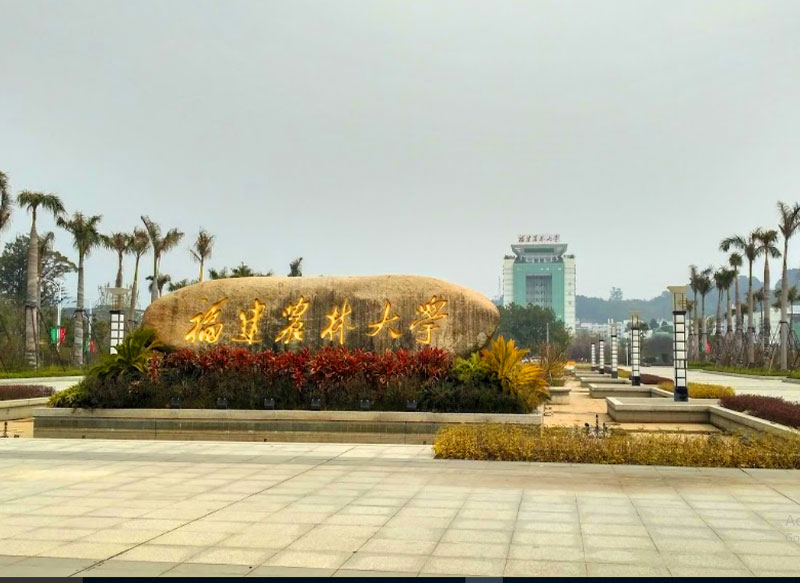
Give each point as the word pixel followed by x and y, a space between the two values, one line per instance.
pixel 131 358
pixel 573 445
pixel 73 397
pixel 471 370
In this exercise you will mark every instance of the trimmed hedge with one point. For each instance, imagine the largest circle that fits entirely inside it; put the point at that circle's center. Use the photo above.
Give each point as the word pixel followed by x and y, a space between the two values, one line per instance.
pixel 700 390
pixel 651 379
pixel 565 445
pixel 772 409
pixel 11 392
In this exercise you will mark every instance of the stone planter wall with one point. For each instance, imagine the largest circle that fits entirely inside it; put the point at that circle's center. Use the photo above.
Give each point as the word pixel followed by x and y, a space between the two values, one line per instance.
pixel 20 408
pixel 240 425
pixel 644 410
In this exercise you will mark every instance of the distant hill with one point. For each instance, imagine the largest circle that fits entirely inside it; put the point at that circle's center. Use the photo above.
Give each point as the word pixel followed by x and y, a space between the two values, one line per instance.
pixel 589 309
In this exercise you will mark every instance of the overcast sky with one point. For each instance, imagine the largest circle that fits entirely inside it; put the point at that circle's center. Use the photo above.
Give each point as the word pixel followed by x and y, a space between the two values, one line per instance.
pixel 408 136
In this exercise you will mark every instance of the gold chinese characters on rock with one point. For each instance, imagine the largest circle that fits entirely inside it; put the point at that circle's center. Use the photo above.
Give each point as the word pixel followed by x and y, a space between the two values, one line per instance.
pixel 206 327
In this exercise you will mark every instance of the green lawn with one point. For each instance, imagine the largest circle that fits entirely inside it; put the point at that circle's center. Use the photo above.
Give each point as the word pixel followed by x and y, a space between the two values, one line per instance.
pixel 52 371
pixel 738 370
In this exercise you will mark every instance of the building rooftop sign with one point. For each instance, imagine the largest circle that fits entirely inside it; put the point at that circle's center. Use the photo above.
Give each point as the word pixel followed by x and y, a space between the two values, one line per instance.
pixel 540 238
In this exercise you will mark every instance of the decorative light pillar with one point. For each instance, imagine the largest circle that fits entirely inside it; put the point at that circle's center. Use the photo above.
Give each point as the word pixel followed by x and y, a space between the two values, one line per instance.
pixel 636 326
pixel 614 371
pixel 679 341
pixel 594 358
pixel 601 359
pixel 119 297
pixel 117 330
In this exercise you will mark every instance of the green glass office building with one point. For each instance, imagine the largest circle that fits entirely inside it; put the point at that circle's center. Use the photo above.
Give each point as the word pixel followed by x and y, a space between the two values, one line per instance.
pixel 540 272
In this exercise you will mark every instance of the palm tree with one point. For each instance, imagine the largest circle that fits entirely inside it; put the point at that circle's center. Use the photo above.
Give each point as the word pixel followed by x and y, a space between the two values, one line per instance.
pixel 749 248
pixel 85 237
pixel 730 276
pixel 788 225
pixel 160 244
pixel 722 281
pixel 793 296
pixel 735 261
pixel 201 251
pixel 242 270
pixel 51 203
pixel 694 278
pixel 121 243
pixel 703 287
pixel 163 280
pixel 765 245
pixel 5 202
pixel 45 247
pixel 139 244
pixel 295 268
pixel 759 296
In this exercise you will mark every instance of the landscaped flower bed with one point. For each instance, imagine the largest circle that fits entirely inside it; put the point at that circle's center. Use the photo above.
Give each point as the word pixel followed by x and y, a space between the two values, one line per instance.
pixel 494 381
pixel 772 409
pixel 13 392
pixel 576 445
pixel 700 390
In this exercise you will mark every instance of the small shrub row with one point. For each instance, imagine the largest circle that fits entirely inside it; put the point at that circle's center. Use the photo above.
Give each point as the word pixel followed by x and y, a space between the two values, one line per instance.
pixel 623 374
pixel 700 390
pixel 651 379
pixel 772 409
pixel 574 445
pixel 11 392
pixel 763 372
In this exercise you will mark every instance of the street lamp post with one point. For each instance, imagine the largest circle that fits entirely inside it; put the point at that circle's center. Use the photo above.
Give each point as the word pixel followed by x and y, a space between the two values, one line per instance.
pixel 594 358
pixel 679 341
pixel 614 356
pixel 601 358
pixel 636 379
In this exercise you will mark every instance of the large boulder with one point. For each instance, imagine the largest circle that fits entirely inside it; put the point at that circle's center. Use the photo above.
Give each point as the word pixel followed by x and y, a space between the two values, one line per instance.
pixel 370 312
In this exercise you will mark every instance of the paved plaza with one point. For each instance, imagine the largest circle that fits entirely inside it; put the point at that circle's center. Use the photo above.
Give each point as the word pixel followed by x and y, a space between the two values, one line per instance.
pixel 147 508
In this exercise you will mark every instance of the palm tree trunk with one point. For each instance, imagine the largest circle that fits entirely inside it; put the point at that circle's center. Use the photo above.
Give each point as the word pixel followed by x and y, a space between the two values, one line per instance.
pixel 784 301
pixel 32 298
pixel 728 320
pixel 695 349
pixel 118 281
pixel 703 325
pixel 202 261
pixel 738 303
pixel 77 345
pixel 765 327
pixel 154 288
pixel 718 322
pixel 751 349
pixel 134 292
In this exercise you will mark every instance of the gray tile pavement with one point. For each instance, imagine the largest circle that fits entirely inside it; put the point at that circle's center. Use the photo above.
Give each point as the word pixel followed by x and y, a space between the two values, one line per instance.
pixel 108 508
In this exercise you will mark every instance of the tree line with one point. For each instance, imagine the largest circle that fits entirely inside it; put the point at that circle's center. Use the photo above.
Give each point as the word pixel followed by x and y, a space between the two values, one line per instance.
pixel 763 244
pixel 43 264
